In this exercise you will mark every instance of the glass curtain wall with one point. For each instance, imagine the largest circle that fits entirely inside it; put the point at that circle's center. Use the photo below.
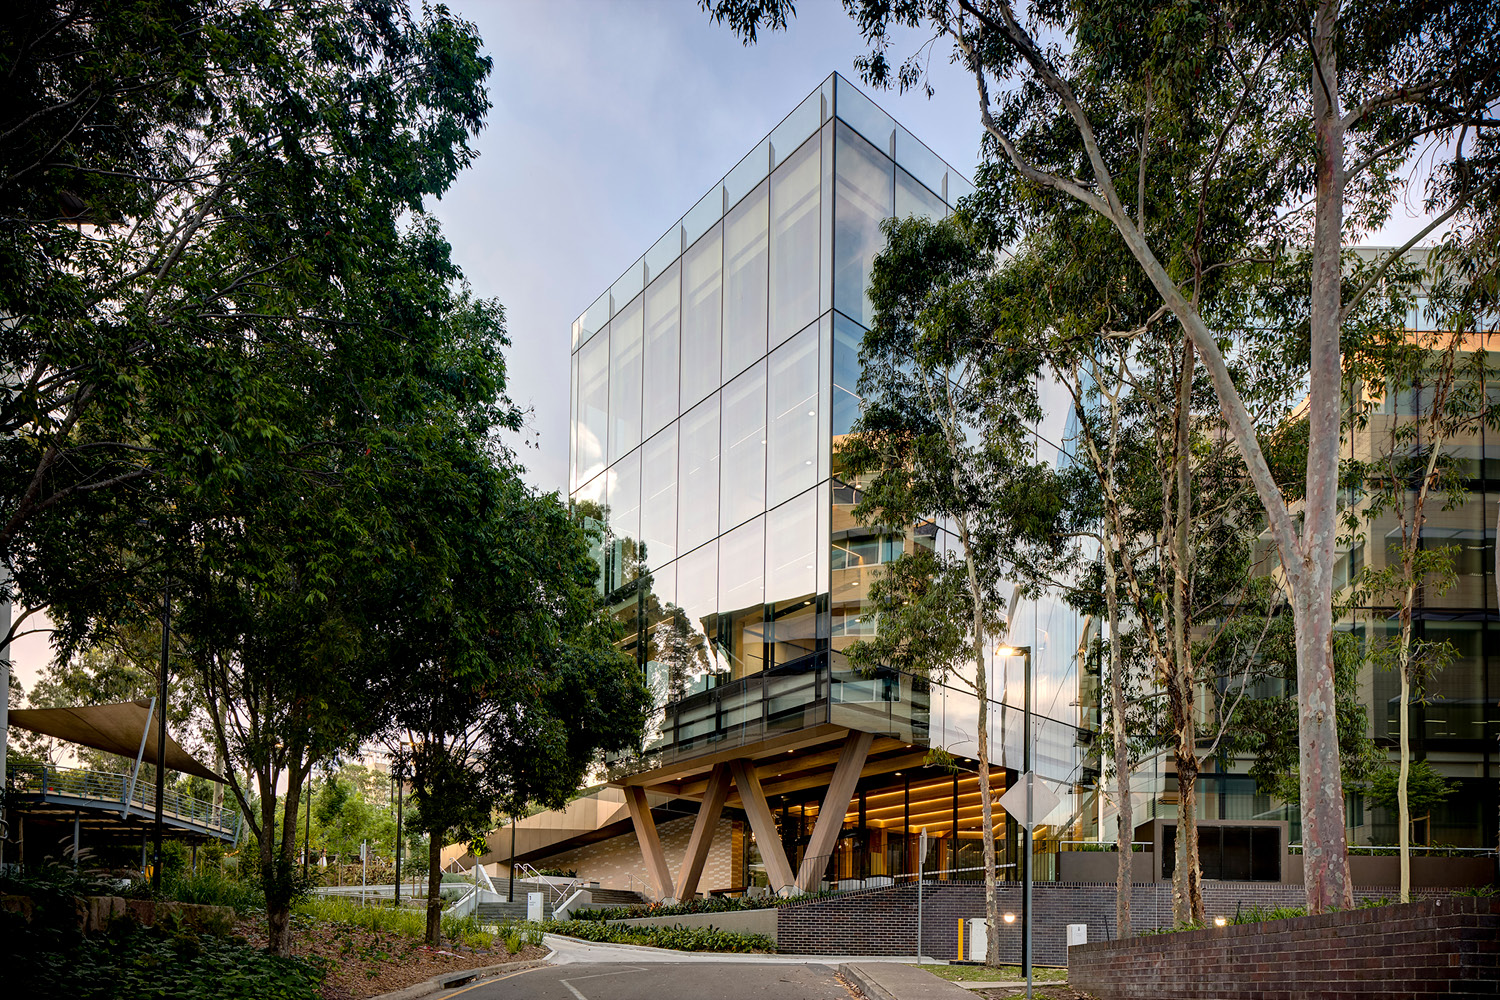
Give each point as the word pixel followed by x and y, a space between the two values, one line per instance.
pixel 712 385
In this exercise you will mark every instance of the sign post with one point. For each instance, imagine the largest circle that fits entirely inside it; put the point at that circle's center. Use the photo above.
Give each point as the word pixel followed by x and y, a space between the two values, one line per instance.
pixel 921 857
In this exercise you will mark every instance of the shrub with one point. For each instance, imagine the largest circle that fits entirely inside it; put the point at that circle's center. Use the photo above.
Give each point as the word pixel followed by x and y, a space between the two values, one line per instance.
pixel 676 937
pixel 214 888
pixel 713 904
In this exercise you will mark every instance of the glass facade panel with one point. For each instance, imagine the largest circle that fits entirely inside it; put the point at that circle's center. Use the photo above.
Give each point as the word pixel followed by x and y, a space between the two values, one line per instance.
pixel 623 495
pixel 861 112
pixel 793 440
pixel 628 286
pixel 702 314
pixel 625 380
pixel 792 553
pixel 698 475
pixel 742 492
pixel 702 216
pixel 747 173
pixel 862 200
pixel 698 597
pixel 663 331
pixel 745 261
pixel 594 318
pixel 741 622
pixel 659 498
pixel 921 162
pixel 666 250
pixel 847 338
pixel 794 242
pixel 593 408
pixel 796 127
pixel 914 199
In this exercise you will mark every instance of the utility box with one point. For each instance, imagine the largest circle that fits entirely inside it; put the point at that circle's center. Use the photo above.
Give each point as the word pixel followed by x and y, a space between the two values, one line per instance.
pixel 1078 934
pixel 976 938
pixel 534 907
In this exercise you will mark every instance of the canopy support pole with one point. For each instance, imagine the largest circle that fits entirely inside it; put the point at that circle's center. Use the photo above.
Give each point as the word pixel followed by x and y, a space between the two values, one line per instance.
pixel 139 754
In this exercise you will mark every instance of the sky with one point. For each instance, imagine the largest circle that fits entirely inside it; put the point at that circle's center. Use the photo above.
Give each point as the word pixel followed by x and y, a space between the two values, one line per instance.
pixel 610 119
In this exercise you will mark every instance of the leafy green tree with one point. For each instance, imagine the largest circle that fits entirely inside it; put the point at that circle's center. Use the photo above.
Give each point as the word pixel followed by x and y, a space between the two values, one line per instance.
pixel 258 355
pixel 1414 791
pixel 511 683
pixel 1302 121
pixel 944 434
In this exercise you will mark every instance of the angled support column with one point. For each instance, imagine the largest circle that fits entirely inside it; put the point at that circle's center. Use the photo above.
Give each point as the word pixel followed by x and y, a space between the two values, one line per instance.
pixel 825 835
pixel 778 870
pixel 645 832
pixel 703 831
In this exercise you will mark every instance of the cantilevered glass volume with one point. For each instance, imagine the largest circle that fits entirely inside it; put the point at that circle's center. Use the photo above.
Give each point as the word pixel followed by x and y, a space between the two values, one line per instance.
pixel 711 385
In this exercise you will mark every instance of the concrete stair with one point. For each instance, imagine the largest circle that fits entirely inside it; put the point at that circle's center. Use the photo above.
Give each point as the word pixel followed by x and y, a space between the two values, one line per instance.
pixel 509 912
pixel 616 897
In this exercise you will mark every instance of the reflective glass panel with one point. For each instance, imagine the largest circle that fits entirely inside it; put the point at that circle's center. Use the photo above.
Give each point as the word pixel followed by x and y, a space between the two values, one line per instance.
pixel 793 440
pixel 920 161
pixel 745 283
pixel 698 597
pixel 743 493
pixel 914 199
pixel 573 422
pixel 595 318
pixel 742 597
pixel 792 548
pixel 663 328
pixel 623 484
pixel 698 475
pixel 794 242
pixel 859 111
pixel 747 173
pixel 847 338
pixel 593 407
pixel 625 380
pixel 659 497
pixel 796 127
pixel 629 285
pixel 702 312
pixel 666 250
pixel 862 199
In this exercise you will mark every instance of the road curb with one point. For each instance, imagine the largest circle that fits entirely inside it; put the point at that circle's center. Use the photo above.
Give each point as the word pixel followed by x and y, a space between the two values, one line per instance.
pixel 457 977
pixel 868 987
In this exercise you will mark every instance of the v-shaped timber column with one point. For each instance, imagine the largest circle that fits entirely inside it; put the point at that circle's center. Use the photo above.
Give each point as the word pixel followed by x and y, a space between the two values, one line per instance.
pixel 645 832
pixel 753 798
pixel 825 835
pixel 703 831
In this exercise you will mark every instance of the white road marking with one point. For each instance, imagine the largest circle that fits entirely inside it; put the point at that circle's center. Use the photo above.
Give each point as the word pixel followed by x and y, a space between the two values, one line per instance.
pixel 598 975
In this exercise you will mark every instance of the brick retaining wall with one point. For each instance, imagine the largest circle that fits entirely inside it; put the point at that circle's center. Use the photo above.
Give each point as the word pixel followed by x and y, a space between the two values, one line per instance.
pixel 1446 947
pixel 884 921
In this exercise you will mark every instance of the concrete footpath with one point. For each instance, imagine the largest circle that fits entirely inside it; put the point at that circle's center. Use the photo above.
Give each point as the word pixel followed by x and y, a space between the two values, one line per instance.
pixel 890 981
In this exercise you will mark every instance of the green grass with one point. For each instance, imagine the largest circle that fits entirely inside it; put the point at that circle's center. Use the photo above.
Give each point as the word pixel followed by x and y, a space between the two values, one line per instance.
pixel 467 930
pixel 985 974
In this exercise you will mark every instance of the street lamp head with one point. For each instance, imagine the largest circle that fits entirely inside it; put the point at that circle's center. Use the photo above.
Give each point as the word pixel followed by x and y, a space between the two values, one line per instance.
pixel 1013 651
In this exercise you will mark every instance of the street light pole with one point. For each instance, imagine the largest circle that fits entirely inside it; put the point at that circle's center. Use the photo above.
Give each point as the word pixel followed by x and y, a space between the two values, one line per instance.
pixel 400 788
pixel 1026 850
pixel 161 724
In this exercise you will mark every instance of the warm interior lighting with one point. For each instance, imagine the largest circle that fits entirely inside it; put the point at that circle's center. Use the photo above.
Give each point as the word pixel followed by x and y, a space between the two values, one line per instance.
pixel 1010 918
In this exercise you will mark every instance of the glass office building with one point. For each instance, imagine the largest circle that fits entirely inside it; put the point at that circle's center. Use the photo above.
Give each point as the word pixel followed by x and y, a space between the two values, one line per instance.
pixel 711 385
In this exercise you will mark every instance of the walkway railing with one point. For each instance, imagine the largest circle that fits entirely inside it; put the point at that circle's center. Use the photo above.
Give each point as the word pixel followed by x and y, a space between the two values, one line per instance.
pixel 104 789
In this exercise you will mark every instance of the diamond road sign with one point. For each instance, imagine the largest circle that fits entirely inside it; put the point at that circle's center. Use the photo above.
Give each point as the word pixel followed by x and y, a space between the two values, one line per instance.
pixel 1043 800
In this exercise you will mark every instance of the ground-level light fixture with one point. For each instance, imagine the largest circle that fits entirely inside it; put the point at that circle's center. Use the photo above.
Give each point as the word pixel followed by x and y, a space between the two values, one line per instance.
pixel 1220 921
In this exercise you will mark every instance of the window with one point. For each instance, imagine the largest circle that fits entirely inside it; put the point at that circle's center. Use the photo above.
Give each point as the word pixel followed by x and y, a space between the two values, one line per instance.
pixel 793 441
pixel 862 200
pixel 745 283
pixel 625 380
pixel 698 475
pixel 663 329
pixel 593 407
pixel 743 469
pixel 795 241
pixel 659 498
pixel 701 317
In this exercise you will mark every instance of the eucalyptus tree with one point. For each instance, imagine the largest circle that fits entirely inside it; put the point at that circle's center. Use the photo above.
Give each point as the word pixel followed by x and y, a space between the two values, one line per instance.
pixel 945 434
pixel 1305 119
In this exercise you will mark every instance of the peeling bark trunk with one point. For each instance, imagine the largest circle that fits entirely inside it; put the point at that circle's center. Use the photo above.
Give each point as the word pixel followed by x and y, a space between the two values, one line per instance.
pixel 1125 821
pixel 981 692
pixel 434 889
pixel 1325 852
pixel 279 930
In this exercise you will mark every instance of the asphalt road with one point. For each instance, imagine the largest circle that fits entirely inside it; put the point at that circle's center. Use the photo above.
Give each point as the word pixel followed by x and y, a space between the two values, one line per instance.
pixel 662 981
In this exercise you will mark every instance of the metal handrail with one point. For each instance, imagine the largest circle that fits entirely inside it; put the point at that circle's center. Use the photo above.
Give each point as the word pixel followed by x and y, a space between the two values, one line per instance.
pixel 558 893
pixel 106 787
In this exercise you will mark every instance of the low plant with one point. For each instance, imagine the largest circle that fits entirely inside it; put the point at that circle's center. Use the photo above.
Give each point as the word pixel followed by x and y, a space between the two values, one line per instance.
pixel 212 887
pixel 712 904
pixel 676 937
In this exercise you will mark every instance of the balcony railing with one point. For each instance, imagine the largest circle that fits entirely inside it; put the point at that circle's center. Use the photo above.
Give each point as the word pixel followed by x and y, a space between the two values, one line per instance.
pixel 103 789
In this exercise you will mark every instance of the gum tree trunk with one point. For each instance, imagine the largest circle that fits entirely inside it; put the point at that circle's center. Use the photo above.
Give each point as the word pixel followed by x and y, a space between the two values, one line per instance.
pixel 1125 821
pixel 434 889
